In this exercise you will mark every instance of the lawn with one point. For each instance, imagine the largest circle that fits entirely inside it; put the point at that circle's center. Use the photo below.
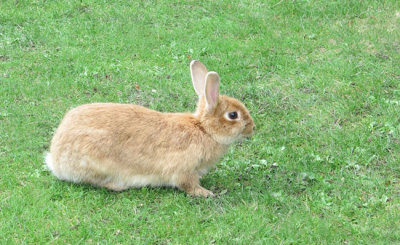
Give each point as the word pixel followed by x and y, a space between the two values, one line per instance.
pixel 321 79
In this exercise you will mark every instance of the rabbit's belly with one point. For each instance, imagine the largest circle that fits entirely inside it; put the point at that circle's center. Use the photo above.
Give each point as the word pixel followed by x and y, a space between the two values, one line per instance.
pixel 144 180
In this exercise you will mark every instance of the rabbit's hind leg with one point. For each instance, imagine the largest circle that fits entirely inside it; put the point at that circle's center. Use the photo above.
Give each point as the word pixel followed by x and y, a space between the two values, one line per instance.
pixel 77 169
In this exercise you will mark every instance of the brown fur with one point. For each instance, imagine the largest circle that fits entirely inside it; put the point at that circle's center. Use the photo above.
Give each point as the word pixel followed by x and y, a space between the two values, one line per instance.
pixel 110 145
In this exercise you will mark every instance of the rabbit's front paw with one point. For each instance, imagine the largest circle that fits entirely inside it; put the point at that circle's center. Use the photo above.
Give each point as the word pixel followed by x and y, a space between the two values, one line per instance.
pixel 201 192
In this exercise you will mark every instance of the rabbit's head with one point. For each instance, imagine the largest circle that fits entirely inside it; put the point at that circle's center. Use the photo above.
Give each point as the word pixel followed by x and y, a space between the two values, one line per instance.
pixel 224 118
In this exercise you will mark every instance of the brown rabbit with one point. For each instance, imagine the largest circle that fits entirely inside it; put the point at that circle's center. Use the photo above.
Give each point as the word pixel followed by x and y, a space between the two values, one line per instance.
pixel 119 146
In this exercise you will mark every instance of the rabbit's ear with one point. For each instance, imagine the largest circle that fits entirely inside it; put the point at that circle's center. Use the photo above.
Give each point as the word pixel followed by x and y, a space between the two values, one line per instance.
pixel 212 90
pixel 198 72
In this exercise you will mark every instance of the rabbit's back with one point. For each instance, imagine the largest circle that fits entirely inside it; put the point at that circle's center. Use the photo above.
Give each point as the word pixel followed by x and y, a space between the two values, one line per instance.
pixel 104 130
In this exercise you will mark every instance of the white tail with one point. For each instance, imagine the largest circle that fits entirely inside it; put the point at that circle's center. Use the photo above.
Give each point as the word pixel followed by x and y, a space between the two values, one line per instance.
pixel 49 161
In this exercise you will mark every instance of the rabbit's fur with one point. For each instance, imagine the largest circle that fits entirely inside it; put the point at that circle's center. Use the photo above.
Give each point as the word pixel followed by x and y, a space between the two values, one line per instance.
pixel 119 146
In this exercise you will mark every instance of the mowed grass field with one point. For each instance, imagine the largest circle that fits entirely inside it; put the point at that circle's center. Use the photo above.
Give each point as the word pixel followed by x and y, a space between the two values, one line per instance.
pixel 322 81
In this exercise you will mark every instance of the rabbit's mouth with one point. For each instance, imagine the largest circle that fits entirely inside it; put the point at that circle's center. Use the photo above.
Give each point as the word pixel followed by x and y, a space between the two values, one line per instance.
pixel 248 131
pixel 248 135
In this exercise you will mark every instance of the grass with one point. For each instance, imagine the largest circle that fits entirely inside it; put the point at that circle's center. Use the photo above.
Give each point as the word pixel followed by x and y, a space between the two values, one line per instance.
pixel 322 79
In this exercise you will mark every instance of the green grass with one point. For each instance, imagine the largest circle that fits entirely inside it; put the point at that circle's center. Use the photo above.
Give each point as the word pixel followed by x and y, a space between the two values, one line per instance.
pixel 321 78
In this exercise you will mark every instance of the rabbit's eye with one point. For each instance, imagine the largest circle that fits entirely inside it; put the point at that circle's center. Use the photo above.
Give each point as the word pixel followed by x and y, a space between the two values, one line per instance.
pixel 233 115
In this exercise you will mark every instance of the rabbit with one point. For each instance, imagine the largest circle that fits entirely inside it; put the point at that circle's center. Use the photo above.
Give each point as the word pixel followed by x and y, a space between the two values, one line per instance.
pixel 119 146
